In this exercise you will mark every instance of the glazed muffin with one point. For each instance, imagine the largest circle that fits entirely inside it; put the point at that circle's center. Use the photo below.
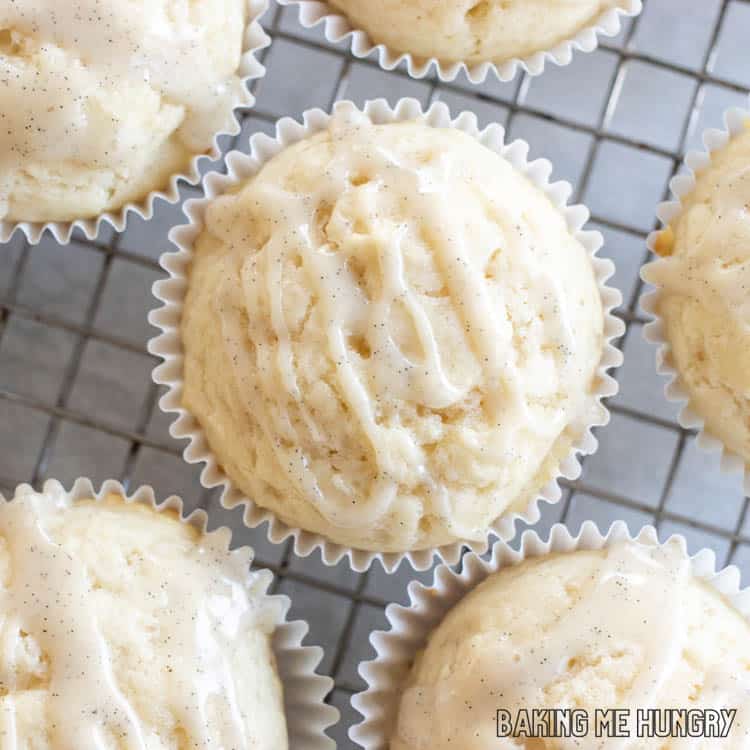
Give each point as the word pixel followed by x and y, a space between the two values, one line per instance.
pixel 125 627
pixel 472 31
pixel 103 102
pixel 390 335
pixel 704 300
pixel 626 627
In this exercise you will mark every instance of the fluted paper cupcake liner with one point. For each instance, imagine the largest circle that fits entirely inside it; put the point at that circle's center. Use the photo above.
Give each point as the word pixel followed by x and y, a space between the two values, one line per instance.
pixel 250 69
pixel 411 625
pixel 307 715
pixel 171 292
pixel 675 390
pixel 337 28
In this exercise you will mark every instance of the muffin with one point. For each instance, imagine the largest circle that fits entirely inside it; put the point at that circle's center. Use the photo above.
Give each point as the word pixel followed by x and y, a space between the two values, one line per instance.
pixel 390 336
pixel 629 627
pixel 704 303
pixel 122 626
pixel 472 31
pixel 101 103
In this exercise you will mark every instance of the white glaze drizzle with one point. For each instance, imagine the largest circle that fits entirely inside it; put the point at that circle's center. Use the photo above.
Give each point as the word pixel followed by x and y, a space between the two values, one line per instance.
pixel 49 597
pixel 122 46
pixel 49 593
pixel 723 689
pixel 348 312
pixel 636 597
pixel 634 584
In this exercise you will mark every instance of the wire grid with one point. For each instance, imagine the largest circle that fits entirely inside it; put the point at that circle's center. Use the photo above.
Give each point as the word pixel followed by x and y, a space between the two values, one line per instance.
pixel 75 390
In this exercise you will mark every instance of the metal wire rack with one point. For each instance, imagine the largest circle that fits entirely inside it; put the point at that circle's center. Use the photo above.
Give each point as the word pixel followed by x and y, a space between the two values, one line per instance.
pixel 75 390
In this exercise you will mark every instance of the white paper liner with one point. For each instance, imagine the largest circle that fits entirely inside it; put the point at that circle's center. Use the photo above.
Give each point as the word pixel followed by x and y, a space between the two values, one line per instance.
pixel 675 391
pixel 307 715
pixel 171 292
pixel 254 40
pixel 337 28
pixel 411 625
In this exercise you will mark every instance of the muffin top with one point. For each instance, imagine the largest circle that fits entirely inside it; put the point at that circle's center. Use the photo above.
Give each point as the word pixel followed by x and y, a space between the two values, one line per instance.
pixel 390 335
pixel 625 627
pixel 705 299
pixel 472 31
pixel 124 627
pixel 101 101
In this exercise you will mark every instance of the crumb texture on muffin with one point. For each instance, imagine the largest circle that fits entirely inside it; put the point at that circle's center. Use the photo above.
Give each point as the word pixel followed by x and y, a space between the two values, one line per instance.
pixel 705 294
pixel 124 628
pixel 472 31
pixel 102 101
pixel 390 335
pixel 626 627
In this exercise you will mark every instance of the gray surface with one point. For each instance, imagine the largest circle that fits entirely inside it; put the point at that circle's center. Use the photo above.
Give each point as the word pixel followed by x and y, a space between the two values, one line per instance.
pixel 75 395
